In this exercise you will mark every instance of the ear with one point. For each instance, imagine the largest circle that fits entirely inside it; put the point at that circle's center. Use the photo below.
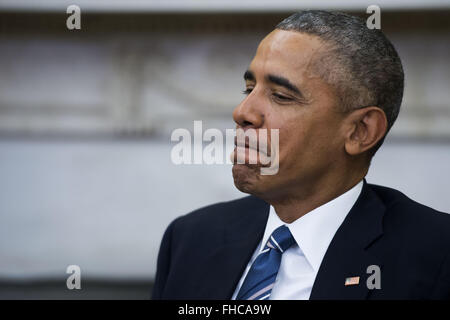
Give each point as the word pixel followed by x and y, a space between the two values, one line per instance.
pixel 365 127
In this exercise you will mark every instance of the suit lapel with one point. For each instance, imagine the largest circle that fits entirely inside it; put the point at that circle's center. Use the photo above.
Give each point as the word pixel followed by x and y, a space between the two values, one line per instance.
pixel 348 256
pixel 225 265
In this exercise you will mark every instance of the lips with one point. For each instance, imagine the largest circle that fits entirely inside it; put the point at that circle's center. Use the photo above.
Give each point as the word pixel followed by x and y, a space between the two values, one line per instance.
pixel 250 152
pixel 253 146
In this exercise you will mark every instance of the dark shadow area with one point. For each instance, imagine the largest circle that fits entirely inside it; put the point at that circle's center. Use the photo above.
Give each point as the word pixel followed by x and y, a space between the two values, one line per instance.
pixel 91 289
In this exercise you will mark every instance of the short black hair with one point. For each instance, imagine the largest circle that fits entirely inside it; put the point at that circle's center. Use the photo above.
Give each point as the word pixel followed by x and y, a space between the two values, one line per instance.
pixel 361 63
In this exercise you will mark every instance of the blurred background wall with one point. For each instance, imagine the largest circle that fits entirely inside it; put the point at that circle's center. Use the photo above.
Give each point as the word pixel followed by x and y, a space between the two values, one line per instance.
pixel 86 117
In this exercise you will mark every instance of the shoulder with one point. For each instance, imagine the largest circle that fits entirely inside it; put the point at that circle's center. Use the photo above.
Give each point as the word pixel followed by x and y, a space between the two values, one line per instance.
pixel 395 200
pixel 406 215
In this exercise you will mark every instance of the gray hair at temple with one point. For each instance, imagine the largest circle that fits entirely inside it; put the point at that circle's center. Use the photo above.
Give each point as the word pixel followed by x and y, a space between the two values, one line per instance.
pixel 360 63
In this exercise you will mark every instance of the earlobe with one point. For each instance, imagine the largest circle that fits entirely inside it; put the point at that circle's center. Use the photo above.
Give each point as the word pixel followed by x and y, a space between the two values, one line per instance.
pixel 369 126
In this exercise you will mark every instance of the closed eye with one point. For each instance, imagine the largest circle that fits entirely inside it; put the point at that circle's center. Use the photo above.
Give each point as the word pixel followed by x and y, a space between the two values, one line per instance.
pixel 282 97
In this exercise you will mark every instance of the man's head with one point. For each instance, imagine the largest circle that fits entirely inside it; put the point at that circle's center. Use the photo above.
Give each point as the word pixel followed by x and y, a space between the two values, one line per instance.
pixel 332 87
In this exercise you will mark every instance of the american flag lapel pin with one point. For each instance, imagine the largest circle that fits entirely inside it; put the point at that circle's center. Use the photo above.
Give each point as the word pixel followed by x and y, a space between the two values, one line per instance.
pixel 351 281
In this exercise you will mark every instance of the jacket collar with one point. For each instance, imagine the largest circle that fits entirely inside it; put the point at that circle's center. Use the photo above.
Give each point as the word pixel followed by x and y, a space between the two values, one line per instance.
pixel 348 253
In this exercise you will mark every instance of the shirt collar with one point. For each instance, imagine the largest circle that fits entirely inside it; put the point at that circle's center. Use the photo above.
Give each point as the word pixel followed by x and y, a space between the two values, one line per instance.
pixel 314 231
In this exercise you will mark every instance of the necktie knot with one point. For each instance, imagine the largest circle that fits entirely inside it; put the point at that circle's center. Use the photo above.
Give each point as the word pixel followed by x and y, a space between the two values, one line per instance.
pixel 281 239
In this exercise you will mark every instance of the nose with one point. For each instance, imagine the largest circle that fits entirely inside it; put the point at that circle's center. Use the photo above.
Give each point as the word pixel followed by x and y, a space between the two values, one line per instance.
pixel 249 113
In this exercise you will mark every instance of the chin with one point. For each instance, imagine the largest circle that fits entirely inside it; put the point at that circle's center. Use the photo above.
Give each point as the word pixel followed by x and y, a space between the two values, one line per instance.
pixel 247 178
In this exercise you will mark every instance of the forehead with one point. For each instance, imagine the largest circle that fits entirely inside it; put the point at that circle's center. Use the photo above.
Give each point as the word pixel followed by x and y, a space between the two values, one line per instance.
pixel 287 53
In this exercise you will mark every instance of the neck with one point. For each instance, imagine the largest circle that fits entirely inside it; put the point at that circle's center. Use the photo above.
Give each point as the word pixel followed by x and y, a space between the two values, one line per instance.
pixel 305 199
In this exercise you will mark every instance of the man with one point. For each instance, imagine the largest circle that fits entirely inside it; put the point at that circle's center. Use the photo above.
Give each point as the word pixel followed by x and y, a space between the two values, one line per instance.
pixel 316 229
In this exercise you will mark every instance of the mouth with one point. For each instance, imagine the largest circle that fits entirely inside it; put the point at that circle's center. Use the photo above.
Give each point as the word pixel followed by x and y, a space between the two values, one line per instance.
pixel 249 152
pixel 253 145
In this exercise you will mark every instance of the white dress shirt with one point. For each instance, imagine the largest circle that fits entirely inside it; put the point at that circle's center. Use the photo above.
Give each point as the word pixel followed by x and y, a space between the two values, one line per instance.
pixel 313 233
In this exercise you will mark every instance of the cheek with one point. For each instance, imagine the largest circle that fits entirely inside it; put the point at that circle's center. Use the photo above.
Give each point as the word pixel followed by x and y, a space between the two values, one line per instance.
pixel 306 141
pixel 293 141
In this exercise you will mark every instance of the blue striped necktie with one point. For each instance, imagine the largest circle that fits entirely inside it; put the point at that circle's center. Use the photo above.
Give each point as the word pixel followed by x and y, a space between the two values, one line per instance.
pixel 261 277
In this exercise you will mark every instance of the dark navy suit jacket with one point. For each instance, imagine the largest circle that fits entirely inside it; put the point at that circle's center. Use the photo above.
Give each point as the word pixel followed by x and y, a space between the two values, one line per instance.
pixel 204 253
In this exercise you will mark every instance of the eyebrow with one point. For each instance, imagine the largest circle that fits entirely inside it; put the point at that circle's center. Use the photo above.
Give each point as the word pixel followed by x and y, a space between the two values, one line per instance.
pixel 283 82
pixel 278 80
pixel 248 75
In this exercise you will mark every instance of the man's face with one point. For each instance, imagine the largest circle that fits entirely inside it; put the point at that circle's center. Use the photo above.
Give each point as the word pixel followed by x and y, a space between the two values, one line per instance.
pixel 284 93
